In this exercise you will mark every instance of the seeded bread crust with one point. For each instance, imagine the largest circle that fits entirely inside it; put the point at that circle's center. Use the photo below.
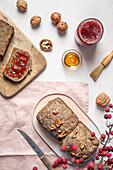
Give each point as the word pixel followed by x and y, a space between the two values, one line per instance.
pixel 57 118
pixel 6 33
pixel 81 136
pixel 29 65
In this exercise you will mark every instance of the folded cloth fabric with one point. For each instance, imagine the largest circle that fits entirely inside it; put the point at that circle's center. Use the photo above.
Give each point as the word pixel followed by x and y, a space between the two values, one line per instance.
pixel 16 112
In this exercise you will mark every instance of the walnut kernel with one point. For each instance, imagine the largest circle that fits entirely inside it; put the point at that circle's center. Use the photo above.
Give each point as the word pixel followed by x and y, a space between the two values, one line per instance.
pixel 52 127
pixel 46 45
pixel 21 5
pixel 74 134
pixel 55 112
pixel 58 122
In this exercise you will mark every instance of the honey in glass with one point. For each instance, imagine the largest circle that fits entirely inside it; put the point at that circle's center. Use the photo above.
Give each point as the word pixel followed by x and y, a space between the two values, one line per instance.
pixel 71 59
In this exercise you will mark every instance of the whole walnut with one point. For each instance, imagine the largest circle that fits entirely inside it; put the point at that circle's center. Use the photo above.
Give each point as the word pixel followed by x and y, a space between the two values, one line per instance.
pixel 55 17
pixel 21 5
pixel 62 27
pixel 102 100
pixel 35 21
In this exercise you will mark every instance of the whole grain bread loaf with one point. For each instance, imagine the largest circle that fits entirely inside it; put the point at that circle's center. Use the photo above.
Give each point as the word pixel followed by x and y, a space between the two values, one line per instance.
pixel 57 118
pixel 16 69
pixel 81 136
pixel 63 124
pixel 6 33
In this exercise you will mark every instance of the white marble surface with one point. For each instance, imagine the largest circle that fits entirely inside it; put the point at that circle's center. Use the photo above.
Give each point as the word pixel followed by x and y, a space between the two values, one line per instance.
pixel 72 11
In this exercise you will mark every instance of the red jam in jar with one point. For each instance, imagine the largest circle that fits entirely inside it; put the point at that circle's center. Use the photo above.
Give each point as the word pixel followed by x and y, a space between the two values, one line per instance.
pixel 18 65
pixel 89 32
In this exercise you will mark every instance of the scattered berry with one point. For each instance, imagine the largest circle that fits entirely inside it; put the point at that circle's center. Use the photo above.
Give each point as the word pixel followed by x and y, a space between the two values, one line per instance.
pixel 108 155
pixel 53 165
pixel 60 165
pixel 107 109
pixel 110 105
pixel 105 148
pixel 90 166
pixel 96 157
pixel 64 160
pixel 99 154
pixel 103 136
pixel 93 134
pixel 111 132
pixel 59 160
pixel 110 148
pixel 100 150
pixel 105 116
pixel 74 147
pixel 63 148
pixel 109 116
pixel 64 166
pixel 81 160
pixel 104 153
pixel 77 161
pixel 100 167
pixel 73 160
pixel 35 168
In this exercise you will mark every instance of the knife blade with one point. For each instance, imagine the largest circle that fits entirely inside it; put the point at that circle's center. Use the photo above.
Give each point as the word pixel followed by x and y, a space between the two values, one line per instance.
pixel 37 150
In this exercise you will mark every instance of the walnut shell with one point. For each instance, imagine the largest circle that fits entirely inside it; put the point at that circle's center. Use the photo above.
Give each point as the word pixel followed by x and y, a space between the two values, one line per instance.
pixel 55 17
pixel 35 21
pixel 102 100
pixel 62 27
pixel 21 5
pixel 46 45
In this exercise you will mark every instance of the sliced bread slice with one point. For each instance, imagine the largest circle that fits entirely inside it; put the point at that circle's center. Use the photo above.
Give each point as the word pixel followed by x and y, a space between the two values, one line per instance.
pixel 6 33
pixel 18 65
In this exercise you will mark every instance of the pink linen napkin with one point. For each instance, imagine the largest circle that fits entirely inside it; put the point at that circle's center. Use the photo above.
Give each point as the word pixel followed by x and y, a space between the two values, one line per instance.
pixel 16 112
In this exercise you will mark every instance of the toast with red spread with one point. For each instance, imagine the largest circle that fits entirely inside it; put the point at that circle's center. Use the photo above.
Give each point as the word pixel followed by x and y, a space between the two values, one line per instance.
pixel 18 66
pixel 6 33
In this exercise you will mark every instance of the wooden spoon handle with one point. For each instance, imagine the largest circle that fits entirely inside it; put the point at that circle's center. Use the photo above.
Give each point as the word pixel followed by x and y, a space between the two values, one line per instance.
pixel 107 59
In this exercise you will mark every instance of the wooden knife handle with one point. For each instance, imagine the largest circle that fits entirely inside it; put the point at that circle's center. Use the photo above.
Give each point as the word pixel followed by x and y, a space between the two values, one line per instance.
pixel 48 163
pixel 107 59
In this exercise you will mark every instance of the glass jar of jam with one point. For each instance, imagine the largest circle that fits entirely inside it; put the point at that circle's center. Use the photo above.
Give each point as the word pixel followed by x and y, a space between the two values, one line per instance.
pixel 89 32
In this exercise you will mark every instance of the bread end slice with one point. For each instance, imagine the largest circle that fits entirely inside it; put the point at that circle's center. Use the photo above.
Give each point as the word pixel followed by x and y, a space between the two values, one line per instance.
pixel 28 66
pixel 6 33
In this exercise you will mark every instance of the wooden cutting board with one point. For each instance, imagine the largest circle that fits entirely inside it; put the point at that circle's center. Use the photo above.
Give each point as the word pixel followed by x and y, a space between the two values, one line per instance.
pixel 7 87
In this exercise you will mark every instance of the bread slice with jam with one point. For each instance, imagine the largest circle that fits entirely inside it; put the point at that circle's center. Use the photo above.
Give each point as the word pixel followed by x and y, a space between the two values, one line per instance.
pixel 18 66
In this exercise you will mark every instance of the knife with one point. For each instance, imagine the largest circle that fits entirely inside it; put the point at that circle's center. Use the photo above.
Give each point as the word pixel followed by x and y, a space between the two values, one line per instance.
pixel 37 150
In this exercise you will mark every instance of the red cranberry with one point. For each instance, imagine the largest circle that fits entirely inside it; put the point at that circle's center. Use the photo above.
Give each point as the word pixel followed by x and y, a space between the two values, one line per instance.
pixel 96 157
pixel 99 154
pixel 105 148
pixel 59 160
pixel 74 147
pixel 60 165
pixel 103 136
pixel 104 153
pixel 35 168
pixel 64 160
pixel 81 160
pixel 91 166
pixel 111 132
pixel 109 116
pixel 93 134
pixel 107 109
pixel 63 148
pixel 105 116
pixel 100 167
pixel 53 165
pixel 64 166
pixel 77 161
pixel 110 148
pixel 108 155
pixel 56 163
pixel 110 105
pixel 73 160
pixel 100 150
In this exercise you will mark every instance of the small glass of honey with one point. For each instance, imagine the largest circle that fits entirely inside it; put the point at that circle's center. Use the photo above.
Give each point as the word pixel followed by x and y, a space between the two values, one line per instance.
pixel 71 59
